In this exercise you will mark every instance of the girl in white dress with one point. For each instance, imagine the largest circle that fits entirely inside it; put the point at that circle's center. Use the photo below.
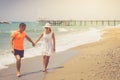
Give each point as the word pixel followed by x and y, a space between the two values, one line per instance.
pixel 48 45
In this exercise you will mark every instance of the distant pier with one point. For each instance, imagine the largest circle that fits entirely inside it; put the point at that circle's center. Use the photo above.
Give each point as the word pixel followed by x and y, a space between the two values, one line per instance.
pixel 81 22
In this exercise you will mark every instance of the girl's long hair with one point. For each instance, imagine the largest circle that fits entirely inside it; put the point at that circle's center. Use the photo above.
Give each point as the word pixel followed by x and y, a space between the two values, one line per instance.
pixel 50 29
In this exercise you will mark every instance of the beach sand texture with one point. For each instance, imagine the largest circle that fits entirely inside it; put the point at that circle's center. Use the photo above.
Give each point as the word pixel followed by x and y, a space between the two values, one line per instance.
pixel 95 61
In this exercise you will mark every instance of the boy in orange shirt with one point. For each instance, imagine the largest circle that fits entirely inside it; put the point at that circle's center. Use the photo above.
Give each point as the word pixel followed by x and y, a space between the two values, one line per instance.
pixel 17 45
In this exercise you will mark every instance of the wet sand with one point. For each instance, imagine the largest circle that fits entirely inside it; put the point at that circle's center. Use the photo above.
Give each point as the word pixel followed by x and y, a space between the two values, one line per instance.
pixel 32 67
pixel 95 61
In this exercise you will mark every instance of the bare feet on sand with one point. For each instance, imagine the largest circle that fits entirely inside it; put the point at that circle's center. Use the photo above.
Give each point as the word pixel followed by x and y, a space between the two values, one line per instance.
pixel 18 74
pixel 45 70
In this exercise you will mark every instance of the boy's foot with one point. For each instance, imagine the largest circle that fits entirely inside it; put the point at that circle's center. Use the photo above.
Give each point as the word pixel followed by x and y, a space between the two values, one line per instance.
pixel 18 74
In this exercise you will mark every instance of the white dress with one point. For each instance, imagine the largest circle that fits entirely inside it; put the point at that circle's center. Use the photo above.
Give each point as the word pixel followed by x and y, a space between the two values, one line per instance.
pixel 47 44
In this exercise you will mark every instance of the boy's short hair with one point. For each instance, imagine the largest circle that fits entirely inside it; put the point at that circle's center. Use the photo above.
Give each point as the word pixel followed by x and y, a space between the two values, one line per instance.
pixel 22 24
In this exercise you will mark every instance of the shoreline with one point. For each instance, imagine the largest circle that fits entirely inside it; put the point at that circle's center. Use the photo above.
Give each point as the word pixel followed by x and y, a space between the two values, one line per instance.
pixel 63 43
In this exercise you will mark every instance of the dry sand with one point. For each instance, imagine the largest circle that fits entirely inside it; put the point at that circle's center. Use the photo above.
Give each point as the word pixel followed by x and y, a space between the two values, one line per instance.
pixel 95 61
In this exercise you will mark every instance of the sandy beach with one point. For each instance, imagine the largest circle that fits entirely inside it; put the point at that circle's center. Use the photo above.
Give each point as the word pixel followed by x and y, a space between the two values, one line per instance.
pixel 95 61
pixel 32 67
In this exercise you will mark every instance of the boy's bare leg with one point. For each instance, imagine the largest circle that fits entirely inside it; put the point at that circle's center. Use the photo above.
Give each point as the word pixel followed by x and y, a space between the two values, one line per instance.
pixel 18 65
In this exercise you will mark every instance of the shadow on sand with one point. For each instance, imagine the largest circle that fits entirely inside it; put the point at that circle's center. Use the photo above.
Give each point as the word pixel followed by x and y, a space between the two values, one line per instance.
pixel 48 70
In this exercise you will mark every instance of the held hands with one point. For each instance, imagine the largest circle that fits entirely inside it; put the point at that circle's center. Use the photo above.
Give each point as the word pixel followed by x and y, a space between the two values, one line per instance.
pixel 33 44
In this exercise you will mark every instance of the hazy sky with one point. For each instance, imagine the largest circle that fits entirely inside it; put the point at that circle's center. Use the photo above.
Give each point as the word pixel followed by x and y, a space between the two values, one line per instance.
pixel 31 10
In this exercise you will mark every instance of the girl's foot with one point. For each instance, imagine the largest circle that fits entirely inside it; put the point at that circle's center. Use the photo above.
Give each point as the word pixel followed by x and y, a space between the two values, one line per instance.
pixel 45 70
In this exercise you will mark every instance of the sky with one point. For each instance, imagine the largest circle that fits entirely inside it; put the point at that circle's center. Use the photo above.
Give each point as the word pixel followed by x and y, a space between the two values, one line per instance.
pixel 32 10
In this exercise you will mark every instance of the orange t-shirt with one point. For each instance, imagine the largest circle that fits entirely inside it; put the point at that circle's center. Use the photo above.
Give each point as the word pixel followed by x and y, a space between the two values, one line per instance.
pixel 18 42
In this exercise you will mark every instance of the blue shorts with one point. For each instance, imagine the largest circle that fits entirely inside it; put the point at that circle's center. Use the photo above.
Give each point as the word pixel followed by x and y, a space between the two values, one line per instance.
pixel 19 52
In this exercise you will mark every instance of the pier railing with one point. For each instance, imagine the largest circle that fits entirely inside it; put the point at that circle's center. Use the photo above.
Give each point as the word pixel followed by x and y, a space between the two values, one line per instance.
pixel 81 22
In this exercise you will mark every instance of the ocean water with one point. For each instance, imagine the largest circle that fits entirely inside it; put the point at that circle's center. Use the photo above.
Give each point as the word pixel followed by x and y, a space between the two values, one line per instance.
pixel 66 37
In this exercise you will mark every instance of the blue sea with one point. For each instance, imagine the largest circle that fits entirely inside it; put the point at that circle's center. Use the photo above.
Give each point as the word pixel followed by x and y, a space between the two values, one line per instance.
pixel 66 38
